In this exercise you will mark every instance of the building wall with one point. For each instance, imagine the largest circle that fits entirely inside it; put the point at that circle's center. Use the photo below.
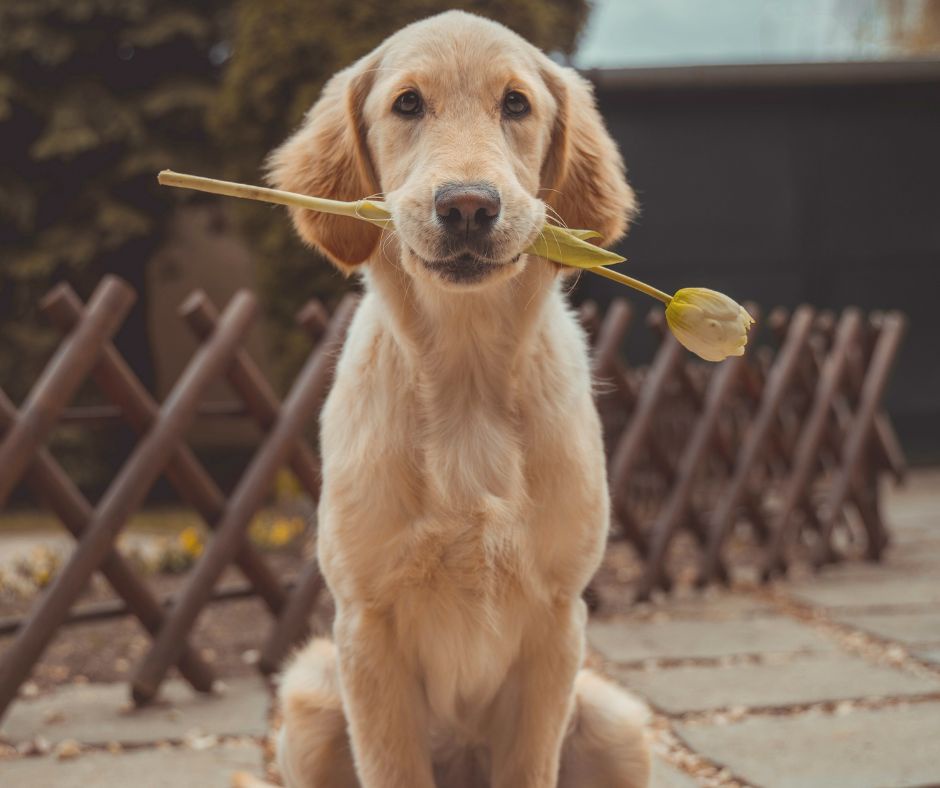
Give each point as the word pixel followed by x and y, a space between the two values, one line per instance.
pixel 797 190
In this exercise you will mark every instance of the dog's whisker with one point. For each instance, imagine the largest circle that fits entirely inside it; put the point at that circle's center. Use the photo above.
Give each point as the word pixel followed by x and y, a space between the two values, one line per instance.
pixel 556 216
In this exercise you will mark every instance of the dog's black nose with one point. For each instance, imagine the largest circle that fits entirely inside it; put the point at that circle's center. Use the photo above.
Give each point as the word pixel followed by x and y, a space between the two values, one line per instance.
pixel 467 209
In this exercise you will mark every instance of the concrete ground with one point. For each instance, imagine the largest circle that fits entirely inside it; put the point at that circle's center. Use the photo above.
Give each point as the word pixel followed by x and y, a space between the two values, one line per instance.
pixel 833 680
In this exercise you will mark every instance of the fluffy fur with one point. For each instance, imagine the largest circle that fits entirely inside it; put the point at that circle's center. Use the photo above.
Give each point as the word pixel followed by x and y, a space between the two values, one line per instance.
pixel 464 503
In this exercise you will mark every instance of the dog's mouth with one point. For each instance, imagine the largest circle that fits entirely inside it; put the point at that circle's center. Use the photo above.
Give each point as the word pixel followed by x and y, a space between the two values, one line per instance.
pixel 466 268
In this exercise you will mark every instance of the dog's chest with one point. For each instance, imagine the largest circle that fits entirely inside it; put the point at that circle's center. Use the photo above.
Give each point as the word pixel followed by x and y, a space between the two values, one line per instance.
pixel 462 615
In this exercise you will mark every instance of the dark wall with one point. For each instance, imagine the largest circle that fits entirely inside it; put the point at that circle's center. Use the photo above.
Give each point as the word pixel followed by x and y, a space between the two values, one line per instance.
pixel 794 193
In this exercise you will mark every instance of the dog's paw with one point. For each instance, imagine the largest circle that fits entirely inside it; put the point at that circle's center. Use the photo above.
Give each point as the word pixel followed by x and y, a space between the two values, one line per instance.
pixel 246 780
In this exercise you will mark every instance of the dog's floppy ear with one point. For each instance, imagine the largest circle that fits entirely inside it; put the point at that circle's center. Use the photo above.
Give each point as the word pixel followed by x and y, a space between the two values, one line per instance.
pixel 328 157
pixel 583 176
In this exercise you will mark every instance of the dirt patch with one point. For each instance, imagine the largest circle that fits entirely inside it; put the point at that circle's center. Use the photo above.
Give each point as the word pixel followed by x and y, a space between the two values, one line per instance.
pixel 228 633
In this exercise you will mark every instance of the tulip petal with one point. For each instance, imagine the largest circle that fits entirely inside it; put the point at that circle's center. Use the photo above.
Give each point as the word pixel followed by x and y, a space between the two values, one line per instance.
pixel 708 323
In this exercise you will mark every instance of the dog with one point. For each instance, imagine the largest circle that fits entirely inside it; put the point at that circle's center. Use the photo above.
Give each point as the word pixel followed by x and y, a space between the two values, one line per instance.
pixel 464 505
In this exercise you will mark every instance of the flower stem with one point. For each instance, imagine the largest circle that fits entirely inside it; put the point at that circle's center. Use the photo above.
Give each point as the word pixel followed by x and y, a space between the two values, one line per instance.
pixel 355 210
pixel 629 281
pixel 367 210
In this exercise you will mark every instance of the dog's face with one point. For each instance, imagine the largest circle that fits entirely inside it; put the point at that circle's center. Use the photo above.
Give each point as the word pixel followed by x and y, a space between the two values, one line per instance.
pixel 472 136
pixel 458 127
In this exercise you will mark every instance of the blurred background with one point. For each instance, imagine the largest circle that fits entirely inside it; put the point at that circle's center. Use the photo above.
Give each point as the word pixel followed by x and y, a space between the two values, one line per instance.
pixel 784 151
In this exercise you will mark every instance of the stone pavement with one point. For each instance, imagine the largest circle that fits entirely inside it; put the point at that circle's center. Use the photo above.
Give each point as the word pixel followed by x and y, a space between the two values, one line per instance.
pixel 89 735
pixel 831 680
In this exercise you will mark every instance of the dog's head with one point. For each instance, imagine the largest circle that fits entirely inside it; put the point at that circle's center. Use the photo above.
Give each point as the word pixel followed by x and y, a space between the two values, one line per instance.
pixel 472 136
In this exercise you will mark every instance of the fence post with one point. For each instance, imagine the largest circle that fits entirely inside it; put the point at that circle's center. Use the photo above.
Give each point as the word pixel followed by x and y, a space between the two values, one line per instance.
pixel 259 398
pixel 61 378
pixel 858 434
pixel 48 481
pixel 123 496
pixel 187 475
pixel 719 390
pixel 628 448
pixel 261 401
pixel 811 437
pixel 291 625
pixel 244 501
pixel 755 441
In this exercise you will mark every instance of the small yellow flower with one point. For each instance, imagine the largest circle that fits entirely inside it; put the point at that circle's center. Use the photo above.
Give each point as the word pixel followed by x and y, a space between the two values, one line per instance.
pixel 273 531
pixel 280 533
pixel 287 486
pixel 42 576
pixel 191 541
pixel 708 323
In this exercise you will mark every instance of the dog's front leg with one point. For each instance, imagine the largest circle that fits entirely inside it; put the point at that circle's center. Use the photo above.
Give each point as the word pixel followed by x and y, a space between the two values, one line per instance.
pixel 534 708
pixel 384 706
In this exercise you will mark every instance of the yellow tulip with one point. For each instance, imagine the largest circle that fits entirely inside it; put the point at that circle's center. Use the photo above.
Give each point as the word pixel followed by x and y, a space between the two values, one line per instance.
pixel 708 323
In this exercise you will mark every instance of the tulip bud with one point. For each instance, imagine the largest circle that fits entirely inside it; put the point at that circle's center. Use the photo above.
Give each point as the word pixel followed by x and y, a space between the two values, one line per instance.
pixel 708 323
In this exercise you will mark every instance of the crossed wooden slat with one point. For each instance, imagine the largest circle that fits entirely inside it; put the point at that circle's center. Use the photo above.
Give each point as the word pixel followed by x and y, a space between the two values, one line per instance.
pixel 47 480
pixel 262 403
pixel 247 497
pixel 76 357
pixel 87 351
pixel 867 440
pixel 865 431
pixel 791 396
pixel 676 510
pixel 758 438
pixel 637 437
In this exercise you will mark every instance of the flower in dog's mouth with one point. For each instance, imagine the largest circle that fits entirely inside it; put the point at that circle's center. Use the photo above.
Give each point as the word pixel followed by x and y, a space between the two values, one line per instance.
pixel 710 324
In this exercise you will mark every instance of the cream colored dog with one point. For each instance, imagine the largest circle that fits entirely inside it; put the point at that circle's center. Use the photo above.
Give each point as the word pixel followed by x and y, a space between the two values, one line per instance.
pixel 464 503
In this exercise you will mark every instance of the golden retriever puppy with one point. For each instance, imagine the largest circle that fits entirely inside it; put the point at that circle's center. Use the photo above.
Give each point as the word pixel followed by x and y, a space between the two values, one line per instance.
pixel 464 504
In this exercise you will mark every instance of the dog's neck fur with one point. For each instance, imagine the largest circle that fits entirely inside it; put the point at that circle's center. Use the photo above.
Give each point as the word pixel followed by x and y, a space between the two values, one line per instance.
pixel 466 350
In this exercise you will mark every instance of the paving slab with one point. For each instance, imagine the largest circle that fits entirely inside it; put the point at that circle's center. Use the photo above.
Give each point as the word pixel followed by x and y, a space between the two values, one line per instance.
pixel 930 653
pixel 888 747
pixel 914 527
pixel 711 605
pixel 908 628
pixel 806 679
pixel 178 767
pixel 665 775
pixel 100 713
pixel 630 641
pixel 896 565
pixel 921 485
pixel 923 551
pixel 917 557
pixel 914 520
pixel 879 587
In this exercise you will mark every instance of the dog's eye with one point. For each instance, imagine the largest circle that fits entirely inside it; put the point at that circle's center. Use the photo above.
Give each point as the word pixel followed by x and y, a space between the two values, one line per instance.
pixel 515 105
pixel 408 104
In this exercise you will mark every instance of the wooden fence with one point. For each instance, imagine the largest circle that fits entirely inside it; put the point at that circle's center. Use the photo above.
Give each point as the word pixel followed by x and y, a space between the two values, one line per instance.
pixel 790 439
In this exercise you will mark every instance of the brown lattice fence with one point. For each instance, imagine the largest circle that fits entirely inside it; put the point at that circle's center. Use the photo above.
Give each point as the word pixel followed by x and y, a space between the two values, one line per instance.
pixel 789 440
